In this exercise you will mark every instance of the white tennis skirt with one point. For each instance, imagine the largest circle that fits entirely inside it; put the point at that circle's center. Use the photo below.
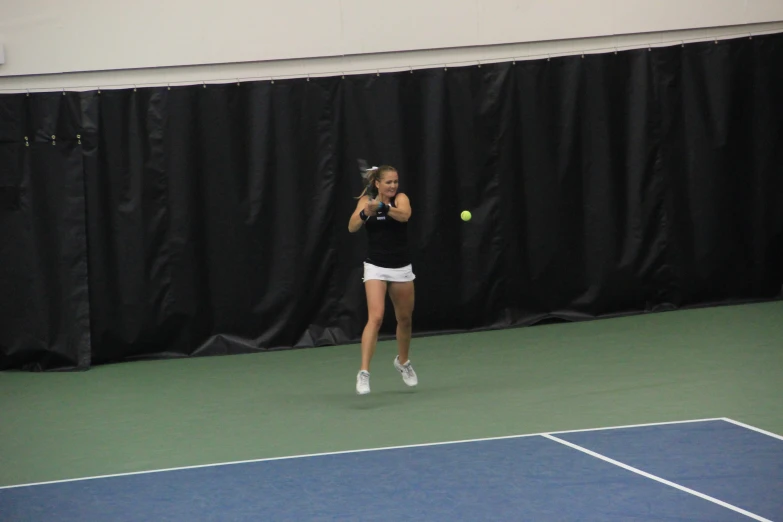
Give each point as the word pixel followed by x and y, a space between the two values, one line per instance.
pixel 392 275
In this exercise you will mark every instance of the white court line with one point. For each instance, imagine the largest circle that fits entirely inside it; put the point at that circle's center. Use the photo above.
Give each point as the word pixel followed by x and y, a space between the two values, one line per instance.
pixel 426 444
pixel 656 478
pixel 748 426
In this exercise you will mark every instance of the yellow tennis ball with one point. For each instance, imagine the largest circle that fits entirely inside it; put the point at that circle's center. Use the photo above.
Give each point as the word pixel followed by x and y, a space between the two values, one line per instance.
pixel 466 215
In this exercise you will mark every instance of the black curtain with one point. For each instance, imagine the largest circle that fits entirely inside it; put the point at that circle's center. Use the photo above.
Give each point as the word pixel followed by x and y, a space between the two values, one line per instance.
pixel 44 298
pixel 204 220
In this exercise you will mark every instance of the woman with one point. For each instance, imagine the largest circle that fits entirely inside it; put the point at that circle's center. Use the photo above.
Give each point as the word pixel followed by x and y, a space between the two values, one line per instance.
pixel 384 213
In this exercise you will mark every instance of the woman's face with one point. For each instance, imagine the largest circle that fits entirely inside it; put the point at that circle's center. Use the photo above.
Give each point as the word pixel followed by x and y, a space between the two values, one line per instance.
pixel 387 185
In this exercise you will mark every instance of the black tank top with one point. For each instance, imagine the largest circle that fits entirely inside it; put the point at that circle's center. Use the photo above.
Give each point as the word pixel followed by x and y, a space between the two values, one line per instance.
pixel 387 241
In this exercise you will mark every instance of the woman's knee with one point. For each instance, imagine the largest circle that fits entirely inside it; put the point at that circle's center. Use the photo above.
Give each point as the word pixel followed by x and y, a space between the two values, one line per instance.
pixel 375 319
pixel 376 293
pixel 405 319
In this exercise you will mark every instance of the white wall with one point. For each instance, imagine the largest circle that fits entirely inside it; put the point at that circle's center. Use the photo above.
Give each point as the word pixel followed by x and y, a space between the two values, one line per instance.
pixel 134 40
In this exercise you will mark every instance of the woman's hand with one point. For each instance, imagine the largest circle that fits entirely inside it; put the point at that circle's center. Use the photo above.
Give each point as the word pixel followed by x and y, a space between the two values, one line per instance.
pixel 371 208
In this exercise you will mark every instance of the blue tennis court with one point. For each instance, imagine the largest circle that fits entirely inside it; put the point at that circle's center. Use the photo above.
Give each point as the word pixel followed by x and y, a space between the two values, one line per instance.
pixel 711 470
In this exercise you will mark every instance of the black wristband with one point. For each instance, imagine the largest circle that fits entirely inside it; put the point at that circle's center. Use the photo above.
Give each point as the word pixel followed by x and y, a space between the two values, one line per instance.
pixel 363 216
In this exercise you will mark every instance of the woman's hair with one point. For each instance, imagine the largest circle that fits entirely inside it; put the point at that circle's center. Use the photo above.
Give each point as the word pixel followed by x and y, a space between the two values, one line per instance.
pixel 370 176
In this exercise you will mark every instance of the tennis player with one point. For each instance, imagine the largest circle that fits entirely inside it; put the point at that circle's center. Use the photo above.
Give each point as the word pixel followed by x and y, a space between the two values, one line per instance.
pixel 384 213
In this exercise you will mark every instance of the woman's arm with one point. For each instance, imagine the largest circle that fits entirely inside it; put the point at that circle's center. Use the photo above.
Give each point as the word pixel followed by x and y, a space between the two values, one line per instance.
pixel 356 222
pixel 402 212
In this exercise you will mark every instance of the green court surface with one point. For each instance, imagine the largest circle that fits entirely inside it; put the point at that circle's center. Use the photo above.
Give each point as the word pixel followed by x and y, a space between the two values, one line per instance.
pixel 703 363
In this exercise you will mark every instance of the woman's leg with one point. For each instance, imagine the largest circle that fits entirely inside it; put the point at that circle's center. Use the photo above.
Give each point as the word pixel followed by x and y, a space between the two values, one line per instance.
pixel 376 300
pixel 402 296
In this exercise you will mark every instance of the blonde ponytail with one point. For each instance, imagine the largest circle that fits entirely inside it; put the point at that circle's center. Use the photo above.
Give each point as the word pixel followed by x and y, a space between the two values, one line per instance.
pixel 369 177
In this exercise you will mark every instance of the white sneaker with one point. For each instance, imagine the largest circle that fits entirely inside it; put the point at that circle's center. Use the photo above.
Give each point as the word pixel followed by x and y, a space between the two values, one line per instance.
pixel 408 375
pixel 363 382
